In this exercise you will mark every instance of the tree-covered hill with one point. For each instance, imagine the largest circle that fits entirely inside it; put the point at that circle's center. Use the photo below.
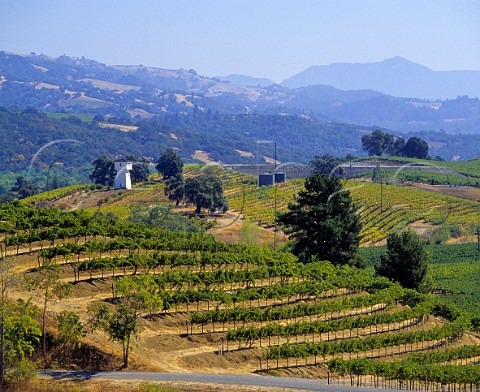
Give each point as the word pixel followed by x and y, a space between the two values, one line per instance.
pixel 35 144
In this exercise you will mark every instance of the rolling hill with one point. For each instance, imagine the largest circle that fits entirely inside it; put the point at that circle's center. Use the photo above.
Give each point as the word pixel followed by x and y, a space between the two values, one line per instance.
pixel 79 85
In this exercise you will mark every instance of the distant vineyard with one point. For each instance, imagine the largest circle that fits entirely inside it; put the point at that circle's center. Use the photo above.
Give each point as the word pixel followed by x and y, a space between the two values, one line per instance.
pixel 383 208
pixel 56 193
pixel 469 168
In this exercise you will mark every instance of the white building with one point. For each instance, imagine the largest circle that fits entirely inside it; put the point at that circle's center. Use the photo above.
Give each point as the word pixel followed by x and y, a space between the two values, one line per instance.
pixel 122 179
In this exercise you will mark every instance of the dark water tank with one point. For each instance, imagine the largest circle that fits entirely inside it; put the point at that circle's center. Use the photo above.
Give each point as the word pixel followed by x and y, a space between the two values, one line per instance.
pixel 265 179
pixel 280 177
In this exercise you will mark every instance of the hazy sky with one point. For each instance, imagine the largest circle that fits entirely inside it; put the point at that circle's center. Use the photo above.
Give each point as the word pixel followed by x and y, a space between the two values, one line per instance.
pixel 265 38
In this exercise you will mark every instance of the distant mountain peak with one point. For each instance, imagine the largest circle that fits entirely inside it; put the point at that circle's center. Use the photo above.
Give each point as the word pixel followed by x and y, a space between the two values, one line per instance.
pixel 397 59
pixel 395 76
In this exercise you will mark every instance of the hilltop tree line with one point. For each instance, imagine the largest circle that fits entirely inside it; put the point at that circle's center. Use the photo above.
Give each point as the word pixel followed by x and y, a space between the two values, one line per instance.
pixel 379 143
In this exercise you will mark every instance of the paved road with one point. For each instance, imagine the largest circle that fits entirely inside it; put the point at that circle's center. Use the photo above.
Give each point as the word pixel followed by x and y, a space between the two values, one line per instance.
pixel 223 379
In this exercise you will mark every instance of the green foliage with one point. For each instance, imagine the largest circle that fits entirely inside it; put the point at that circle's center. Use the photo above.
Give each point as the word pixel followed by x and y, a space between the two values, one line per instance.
pixel 140 170
pixel 121 324
pixel 206 191
pixel 22 332
pixel 327 164
pixel 85 118
pixel 56 193
pixel 163 218
pixel 379 143
pixel 377 175
pixel 24 188
pixel 48 284
pixel 70 328
pixel 171 268
pixel 25 132
pixel 455 270
pixel 147 386
pixel 103 172
pixel 468 170
pixel 424 368
pixel 273 313
pixel 438 236
pixel 415 148
pixel 138 293
pixel 169 164
pixel 175 188
pixel 365 343
pixel 249 232
pixel 317 327
pixel 406 261
pixel 23 371
pixel 323 222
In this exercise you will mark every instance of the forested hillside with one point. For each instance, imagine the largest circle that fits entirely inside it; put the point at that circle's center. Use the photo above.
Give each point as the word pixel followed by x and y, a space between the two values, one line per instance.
pixel 35 144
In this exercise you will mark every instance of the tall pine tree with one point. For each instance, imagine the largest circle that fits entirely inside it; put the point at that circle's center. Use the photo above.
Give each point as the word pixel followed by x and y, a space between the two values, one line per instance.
pixel 323 221
pixel 406 261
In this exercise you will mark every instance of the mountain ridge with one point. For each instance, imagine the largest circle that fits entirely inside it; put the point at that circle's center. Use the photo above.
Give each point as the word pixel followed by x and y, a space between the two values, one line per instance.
pixel 79 85
pixel 395 76
pixel 246 80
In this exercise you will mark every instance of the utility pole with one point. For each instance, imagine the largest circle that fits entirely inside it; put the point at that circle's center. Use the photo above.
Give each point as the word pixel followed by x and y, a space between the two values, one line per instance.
pixel 478 239
pixel 381 195
pixel 275 196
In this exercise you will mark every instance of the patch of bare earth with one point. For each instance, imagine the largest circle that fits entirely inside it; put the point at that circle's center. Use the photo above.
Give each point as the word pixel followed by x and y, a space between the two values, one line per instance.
pixel 420 227
pixel 244 153
pixel 123 128
pixel 109 385
pixel 104 85
pixel 202 156
pixel 140 112
pixel 468 193
pixel 229 229
pixel 272 161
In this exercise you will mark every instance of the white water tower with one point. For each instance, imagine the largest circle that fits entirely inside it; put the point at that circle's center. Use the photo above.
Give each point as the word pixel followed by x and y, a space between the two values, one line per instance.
pixel 122 179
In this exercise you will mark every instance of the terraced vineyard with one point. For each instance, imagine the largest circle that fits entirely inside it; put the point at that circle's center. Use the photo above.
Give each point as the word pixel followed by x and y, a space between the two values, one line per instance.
pixel 455 269
pixel 383 208
pixel 56 193
pixel 386 208
pixel 238 308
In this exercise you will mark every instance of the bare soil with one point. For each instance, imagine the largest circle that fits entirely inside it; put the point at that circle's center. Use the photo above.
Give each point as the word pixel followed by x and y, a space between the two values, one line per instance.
pixel 45 384
pixel 202 156
pixel 468 193
pixel 420 226
pixel 123 128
